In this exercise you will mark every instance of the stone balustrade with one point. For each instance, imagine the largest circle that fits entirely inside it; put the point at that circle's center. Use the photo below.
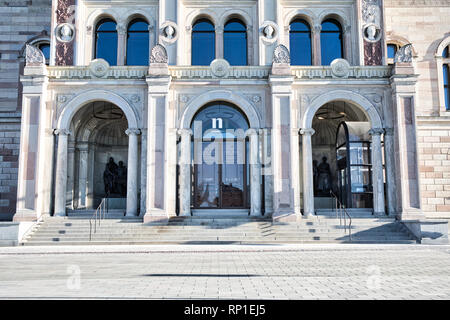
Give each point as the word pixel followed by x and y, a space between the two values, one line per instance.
pixel 206 72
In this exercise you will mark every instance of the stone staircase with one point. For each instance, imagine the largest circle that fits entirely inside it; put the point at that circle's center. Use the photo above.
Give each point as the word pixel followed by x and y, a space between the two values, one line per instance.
pixel 226 230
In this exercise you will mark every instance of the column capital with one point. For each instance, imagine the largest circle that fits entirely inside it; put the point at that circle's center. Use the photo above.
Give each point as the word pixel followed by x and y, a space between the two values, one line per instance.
pixel 252 132
pixel 62 132
pixel 219 29
pixel 121 29
pixel 389 131
pixel 307 131
pixel 317 28
pixel 376 131
pixel 184 132
pixel 133 131
pixel 82 147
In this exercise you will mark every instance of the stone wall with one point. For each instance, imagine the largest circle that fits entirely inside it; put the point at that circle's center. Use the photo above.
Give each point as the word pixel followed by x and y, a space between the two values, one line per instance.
pixel 425 24
pixel 20 21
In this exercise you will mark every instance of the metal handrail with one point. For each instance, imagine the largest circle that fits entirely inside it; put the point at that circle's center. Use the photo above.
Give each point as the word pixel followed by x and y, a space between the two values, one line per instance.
pixel 342 212
pixel 99 214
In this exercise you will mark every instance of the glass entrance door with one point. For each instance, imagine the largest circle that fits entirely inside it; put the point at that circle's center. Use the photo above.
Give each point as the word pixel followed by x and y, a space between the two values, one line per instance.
pixel 220 170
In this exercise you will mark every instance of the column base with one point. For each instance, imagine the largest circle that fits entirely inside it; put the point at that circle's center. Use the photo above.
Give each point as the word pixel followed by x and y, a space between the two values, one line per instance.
pixel 286 217
pixel 25 215
pixel 156 216
pixel 411 214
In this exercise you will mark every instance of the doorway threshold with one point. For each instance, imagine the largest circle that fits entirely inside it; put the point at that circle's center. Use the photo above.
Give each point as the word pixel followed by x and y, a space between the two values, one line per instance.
pixel 218 213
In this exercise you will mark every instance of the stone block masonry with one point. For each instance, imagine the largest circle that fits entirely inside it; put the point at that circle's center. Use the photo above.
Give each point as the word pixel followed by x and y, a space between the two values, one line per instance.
pixel 20 21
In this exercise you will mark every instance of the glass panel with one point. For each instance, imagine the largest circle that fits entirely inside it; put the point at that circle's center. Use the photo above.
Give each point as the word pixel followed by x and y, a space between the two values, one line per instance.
pixel 445 72
pixel 359 153
pixel 45 48
pixel 138 44
pixel 360 177
pixel 106 42
pixel 362 200
pixel 232 186
pixel 203 43
pixel 300 43
pixel 445 53
pixel 207 184
pixel 235 43
pixel 447 98
pixel 330 42
pixel 391 50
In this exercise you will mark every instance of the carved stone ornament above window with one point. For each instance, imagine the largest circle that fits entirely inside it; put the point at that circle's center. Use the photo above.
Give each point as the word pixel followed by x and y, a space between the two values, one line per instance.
pixel 281 55
pixel 169 32
pixel 159 55
pixel 269 32
pixel 404 54
pixel 340 68
pixel 34 56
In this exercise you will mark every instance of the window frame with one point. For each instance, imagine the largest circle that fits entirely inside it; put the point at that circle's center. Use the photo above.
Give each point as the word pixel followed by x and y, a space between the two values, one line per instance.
pixel 198 20
pixel 441 61
pixel 341 34
pixel 95 37
pixel 311 39
pixel 131 23
pixel 240 32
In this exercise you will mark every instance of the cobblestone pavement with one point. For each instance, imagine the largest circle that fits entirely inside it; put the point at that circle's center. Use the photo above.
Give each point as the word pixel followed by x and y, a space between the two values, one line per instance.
pixel 227 272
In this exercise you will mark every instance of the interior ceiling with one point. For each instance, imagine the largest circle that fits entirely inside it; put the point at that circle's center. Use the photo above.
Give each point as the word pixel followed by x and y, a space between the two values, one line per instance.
pixel 328 117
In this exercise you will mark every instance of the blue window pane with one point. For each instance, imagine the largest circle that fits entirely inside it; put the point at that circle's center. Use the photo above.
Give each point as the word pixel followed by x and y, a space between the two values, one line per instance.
pixel 447 98
pixel 203 43
pixel 106 41
pixel 445 53
pixel 138 44
pixel 391 51
pixel 445 71
pixel 235 43
pixel 300 43
pixel 330 42
pixel 45 48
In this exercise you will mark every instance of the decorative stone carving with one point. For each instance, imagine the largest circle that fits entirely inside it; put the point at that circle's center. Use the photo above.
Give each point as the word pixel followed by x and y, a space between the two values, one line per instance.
pixel 340 68
pixel 65 32
pixel 135 98
pixel 65 15
pixel 270 32
pixel 184 98
pixel 169 32
pixel 219 68
pixel 34 56
pixel 64 132
pixel 99 68
pixel 121 29
pixel 134 131
pixel 159 55
pixel 404 54
pixel 256 99
pixel 61 99
pixel 372 32
pixel 281 55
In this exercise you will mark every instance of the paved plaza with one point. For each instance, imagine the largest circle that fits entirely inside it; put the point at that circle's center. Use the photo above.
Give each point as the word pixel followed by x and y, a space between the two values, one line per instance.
pixel 322 271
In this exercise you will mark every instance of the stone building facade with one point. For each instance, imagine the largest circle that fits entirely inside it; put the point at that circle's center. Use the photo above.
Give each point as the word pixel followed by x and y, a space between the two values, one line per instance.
pixel 80 110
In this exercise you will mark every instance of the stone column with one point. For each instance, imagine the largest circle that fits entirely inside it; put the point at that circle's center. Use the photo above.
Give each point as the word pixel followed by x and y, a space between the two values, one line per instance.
pixel 143 170
pixel 61 172
pixel 185 172
pixel 283 194
pixel 347 43
pixel 83 150
pixel 219 42
pixel 132 172
pixel 308 179
pixel 121 44
pixel 157 166
pixel 250 46
pixel 377 172
pixel 389 155
pixel 316 49
pixel 403 83
pixel 70 190
pixel 255 174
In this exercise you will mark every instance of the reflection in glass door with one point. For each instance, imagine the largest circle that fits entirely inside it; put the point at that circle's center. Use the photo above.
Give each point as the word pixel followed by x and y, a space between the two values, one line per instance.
pixel 221 177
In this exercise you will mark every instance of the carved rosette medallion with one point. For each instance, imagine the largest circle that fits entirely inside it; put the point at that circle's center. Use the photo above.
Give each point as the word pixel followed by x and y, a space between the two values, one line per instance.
pixel 159 55
pixel 281 55
pixel 220 68
pixel 340 68
pixel 99 68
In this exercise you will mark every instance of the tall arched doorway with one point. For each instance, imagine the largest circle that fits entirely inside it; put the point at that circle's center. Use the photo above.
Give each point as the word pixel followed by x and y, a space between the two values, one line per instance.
pixel 98 160
pixel 220 154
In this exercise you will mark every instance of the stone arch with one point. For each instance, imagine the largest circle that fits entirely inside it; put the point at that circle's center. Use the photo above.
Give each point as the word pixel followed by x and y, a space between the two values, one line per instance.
pixel 444 43
pixel 200 14
pixel 338 15
pixel 98 15
pixel 239 14
pixel 220 95
pixel 303 14
pixel 136 14
pixel 84 98
pixel 342 95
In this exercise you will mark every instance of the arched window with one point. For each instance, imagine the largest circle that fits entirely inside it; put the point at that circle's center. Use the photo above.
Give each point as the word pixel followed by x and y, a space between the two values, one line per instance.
pixel 106 41
pixel 203 43
pixel 137 43
pixel 300 43
pixel 331 41
pixel 446 76
pixel 235 43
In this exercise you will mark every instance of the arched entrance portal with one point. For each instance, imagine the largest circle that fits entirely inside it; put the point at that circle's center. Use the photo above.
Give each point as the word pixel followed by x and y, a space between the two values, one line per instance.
pixel 97 154
pixel 319 128
pixel 220 154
